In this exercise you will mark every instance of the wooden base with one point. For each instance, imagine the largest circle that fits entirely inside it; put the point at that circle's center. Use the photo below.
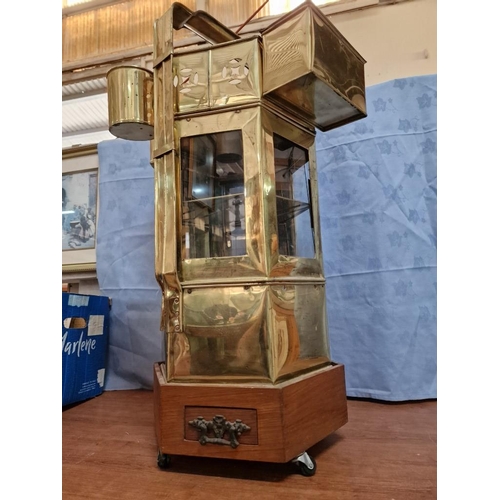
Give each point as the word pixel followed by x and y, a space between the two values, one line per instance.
pixel 284 419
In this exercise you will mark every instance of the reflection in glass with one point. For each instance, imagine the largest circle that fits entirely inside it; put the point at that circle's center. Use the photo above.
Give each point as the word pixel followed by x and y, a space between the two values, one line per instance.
pixel 299 325
pixel 213 197
pixel 223 335
pixel 257 332
pixel 293 199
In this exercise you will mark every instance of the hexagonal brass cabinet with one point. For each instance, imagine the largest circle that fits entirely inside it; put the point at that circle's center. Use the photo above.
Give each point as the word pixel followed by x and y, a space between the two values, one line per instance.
pixel 247 373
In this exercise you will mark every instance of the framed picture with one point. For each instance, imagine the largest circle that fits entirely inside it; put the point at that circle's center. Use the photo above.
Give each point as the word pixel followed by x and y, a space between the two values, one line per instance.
pixel 80 208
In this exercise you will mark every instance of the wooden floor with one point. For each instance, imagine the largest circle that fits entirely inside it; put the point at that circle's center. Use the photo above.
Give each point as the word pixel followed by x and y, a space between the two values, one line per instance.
pixel 386 451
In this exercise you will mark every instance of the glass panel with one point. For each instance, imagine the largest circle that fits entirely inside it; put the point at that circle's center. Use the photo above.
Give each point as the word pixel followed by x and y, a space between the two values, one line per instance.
pixel 213 196
pixel 295 231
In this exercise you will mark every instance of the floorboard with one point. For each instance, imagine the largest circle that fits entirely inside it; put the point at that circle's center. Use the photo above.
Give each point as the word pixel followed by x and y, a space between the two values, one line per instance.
pixel 387 451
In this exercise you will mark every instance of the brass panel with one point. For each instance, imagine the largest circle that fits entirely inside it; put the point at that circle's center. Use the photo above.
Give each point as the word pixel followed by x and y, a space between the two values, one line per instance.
pixel 337 64
pixel 130 103
pixel 252 264
pixel 297 319
pixel 235 73
pixel 249 333
pixel 271 122
pixel 166 224
pixel 287 51
pixel 270 218
pixel 163 38
pixel 310 69
pixel 296 267
pixel 201 23
pixel 315 209
pixel 160 97
pixel 164 121
pixel 224 336
pixel 179 17
pixel 190 81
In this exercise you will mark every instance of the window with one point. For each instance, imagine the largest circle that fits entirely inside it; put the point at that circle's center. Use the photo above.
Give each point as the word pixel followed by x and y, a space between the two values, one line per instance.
pixel 213 198
pixel 293 199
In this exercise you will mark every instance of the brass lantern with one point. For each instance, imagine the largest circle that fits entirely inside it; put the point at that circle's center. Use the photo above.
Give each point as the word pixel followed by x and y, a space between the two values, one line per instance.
pixel 247 373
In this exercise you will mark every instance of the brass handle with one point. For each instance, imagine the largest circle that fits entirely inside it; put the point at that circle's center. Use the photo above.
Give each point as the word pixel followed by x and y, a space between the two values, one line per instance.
pixel 215 431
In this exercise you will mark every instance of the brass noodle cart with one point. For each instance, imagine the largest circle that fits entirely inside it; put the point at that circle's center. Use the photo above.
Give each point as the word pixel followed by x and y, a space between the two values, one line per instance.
pixel 238 256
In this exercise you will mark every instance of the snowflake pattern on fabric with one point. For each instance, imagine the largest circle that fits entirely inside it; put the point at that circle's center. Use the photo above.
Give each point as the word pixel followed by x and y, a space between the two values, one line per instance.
pixel 379 105
pixel 363 172
pixel 377 198
pixel 404 125
pixel 424 101
pixel 125 262
pixel 344 197
pixel 380 257
pixel 400 83
pixel 428 146
pixel 410 169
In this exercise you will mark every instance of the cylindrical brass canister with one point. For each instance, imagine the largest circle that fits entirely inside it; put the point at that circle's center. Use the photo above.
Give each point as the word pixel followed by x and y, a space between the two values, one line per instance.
pixel 130 103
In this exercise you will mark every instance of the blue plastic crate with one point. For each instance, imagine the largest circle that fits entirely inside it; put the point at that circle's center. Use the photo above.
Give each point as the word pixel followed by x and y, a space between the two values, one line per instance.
pixel 85 332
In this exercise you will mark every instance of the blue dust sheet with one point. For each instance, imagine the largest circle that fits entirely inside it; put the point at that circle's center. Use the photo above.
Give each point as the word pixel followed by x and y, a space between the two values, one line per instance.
pixel 377 187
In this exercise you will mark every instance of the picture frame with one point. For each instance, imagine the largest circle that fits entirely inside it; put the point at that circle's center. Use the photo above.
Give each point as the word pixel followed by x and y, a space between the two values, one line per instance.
pixel 80 201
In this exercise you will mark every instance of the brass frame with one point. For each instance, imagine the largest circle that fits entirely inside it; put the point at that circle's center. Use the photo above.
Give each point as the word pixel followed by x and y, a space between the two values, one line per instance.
pixel 257 124
pixel 247 266
pixel 262 265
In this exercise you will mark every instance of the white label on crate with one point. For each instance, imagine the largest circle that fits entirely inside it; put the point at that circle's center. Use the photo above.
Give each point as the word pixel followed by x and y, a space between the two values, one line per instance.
pixel 100 376
pixel 96 325
pixel 78 300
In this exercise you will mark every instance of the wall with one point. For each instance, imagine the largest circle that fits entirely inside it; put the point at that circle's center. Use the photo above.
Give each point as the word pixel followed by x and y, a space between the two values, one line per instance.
pixel 125 29
pixel 396 40
pixel 83 285
pixel 109 30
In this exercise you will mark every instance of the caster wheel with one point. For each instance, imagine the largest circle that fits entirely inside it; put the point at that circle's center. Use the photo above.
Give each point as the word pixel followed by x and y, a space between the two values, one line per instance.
pixel 305 470
pixel 163 460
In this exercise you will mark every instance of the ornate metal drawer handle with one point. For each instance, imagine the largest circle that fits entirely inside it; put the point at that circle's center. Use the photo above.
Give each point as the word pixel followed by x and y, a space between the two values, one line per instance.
pixel 219 426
